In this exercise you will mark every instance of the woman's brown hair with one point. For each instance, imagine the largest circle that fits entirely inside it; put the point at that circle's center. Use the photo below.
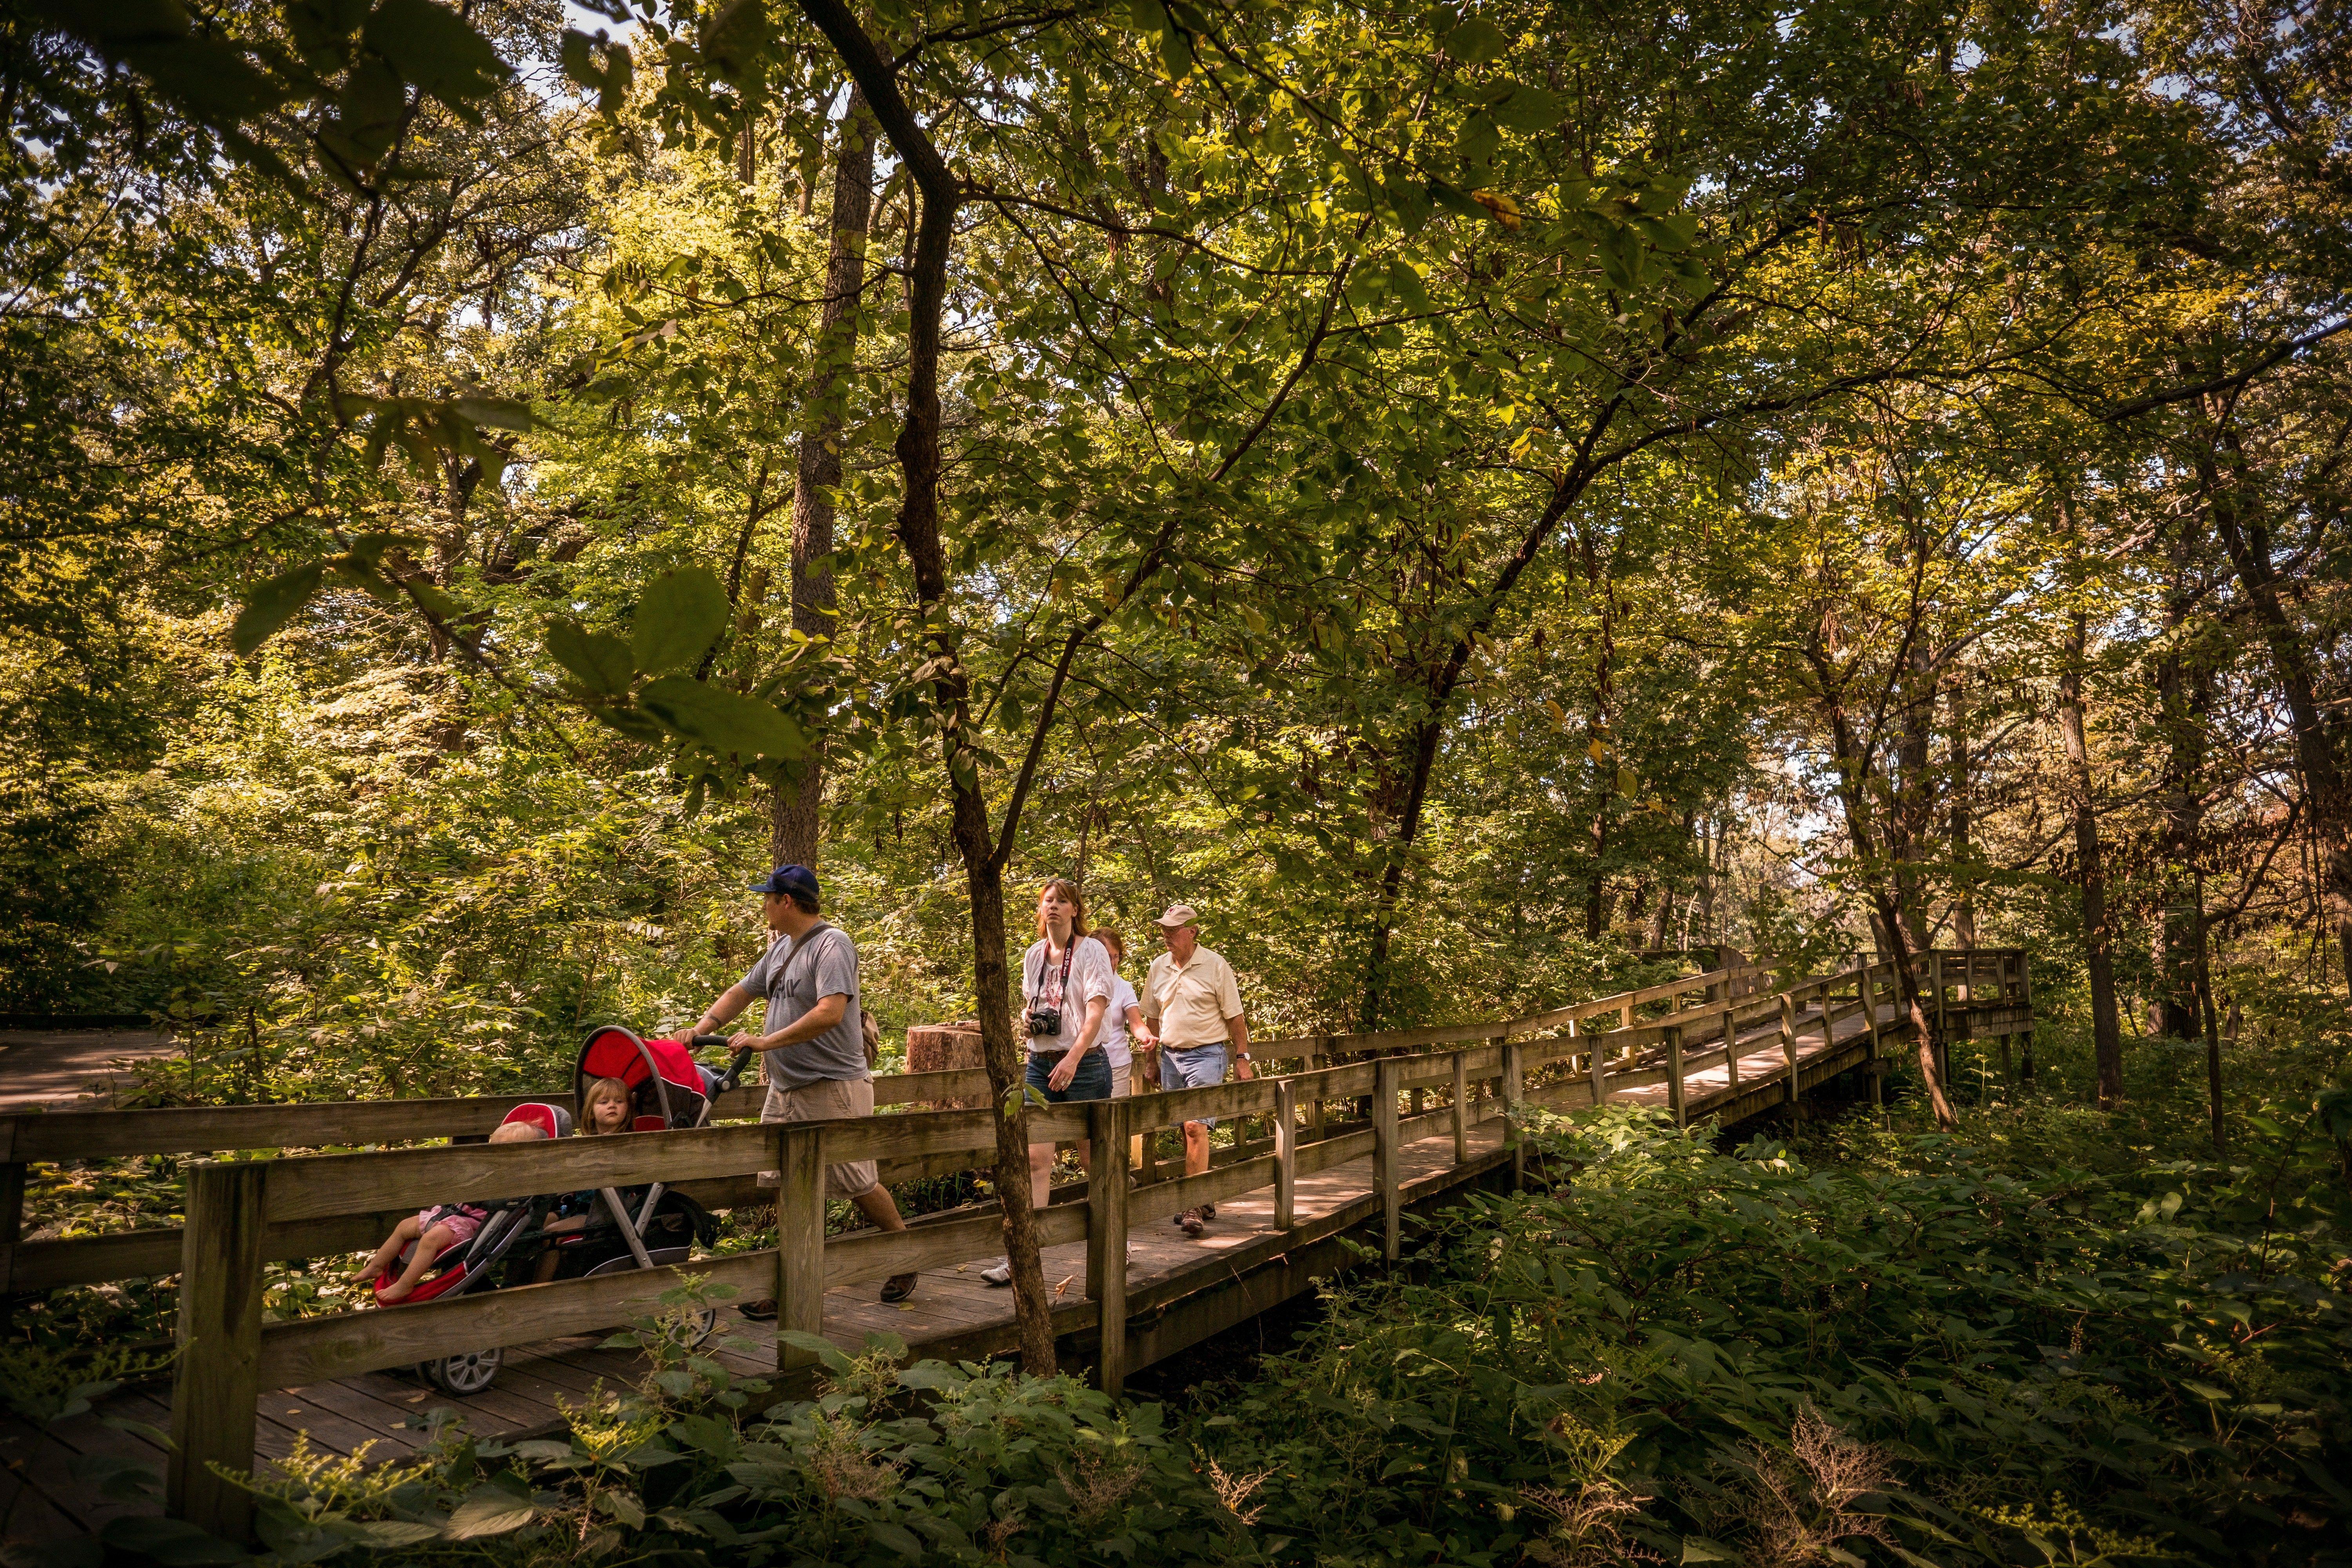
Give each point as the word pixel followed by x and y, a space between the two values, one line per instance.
pixel 1069 890
pixel 1112 942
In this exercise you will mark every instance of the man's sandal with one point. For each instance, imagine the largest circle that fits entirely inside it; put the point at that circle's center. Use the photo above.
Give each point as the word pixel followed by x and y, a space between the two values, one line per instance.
pixel 897 1287
pixel 762 1310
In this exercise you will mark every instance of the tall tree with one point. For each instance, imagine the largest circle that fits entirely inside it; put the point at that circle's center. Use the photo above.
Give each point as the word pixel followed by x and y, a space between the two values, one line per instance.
pixel 824 413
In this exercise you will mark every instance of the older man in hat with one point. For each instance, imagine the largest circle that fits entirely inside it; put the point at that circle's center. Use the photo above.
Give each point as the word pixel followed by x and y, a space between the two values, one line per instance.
pixel 1193 1006
pixel 814 1052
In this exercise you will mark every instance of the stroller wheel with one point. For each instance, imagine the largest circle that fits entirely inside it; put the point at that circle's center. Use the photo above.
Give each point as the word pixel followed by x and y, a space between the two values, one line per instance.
pixel 468 1373
pixel 703 1324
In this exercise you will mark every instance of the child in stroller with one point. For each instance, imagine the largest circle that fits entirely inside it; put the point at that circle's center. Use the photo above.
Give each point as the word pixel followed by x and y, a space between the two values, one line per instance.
pixel 622 1083
pixel 424 1236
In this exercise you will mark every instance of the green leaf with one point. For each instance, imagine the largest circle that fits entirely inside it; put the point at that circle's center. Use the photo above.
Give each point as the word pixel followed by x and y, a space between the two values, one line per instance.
pixel 1621 259
pixel 394 1533
pixel 1699 1549
pixel 1527 109
pixel 724 721
pixel 1176 54
pixel 1477 41
pixel 488 1510
pixel 1455 197
pixel 498 412
pixel 898 1537
pixel 438 49
pixel 636 726
pixel 272 604
pixel 596 661
pixel 1480 139
pixel 172 1542
pixel 681 615
pixel 827 1353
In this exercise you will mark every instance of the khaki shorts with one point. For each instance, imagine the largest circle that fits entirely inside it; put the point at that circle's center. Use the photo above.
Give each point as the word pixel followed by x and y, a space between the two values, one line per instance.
pixel 828 1100
pixel 1120 1081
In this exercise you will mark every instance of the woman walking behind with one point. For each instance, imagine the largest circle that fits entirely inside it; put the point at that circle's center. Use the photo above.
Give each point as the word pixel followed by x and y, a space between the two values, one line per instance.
pixel 1124 1032
pixel 1065 990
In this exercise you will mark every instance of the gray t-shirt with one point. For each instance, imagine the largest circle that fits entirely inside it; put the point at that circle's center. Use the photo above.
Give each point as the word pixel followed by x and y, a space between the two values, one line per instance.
pixel 828 969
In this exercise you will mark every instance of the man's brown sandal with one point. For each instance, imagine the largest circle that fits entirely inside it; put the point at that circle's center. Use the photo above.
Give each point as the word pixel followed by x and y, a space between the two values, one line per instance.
pixel 762 1310
pixel 897 1287
pixel 1190 1222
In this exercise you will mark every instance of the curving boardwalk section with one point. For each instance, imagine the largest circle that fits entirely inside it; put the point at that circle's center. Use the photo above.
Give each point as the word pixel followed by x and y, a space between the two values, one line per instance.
pixel 1323 1155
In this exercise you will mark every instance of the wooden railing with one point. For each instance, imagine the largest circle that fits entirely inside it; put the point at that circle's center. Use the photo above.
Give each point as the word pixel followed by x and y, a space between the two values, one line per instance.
pixel 240 1214
pixel 30 1138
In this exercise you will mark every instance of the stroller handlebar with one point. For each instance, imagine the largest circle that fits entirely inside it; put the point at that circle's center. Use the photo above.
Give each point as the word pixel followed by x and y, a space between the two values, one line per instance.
pixel 734 1073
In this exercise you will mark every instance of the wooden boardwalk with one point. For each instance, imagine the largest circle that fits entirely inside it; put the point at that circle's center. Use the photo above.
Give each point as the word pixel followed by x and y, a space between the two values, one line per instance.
pixel 1176 1291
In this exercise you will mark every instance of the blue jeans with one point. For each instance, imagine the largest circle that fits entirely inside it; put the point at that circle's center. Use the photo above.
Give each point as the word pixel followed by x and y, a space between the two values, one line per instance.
pixel 1092 1081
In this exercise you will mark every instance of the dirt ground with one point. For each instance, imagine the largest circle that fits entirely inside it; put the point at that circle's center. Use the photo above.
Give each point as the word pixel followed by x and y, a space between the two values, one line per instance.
pixel 77 1068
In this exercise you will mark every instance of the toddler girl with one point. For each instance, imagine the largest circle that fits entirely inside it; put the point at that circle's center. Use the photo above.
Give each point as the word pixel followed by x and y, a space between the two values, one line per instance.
pixel 431 1232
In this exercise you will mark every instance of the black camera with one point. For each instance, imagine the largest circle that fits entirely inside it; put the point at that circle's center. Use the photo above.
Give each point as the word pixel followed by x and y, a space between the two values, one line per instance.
pixel 1045 1021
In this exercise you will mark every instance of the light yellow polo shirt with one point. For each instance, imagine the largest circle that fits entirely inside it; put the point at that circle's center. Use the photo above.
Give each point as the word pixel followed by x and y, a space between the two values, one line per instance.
pixel 1189 1006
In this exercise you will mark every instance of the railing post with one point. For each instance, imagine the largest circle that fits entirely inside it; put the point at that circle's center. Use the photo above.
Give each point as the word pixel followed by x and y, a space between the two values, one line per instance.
pixel 1107 1235
pixel 1286 1153
pixel 1315 1106
pixel 1674 1075
pixel 1730 1048
pixel 1461 1109
pixel 800 1239
pixel 1596 1070
pixel 1514 1091
pixel 1789 1046
pixel 1935 974
pixel 2025 1000
pixel 12 1203
pixel 1874 1069
pixel 1385 1170
pixel 218 1377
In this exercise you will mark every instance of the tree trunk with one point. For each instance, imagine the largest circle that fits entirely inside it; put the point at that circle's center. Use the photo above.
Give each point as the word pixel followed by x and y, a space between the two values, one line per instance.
pixel 2213 1022
pixel 2317 750
pixel 918 455
pixel 1876 865
pixel 2183 696
pixel 1959 825
pixel 1596 892
pixel 1912 822
pixel 2107 1027
pixel 796 827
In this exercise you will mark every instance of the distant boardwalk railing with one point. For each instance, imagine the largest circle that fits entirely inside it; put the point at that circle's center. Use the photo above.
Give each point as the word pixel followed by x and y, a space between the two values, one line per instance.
pixel 242 1213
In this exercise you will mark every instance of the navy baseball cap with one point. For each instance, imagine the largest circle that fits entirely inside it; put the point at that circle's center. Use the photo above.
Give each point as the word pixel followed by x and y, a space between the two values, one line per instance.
pixel 788 879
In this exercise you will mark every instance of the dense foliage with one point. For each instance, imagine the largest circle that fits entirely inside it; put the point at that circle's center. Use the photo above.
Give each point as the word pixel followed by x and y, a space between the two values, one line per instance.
pixel 1468 495
pixel 2049 1337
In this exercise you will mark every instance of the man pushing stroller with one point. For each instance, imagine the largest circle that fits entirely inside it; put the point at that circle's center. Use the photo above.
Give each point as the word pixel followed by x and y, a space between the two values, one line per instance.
pixel 814 1052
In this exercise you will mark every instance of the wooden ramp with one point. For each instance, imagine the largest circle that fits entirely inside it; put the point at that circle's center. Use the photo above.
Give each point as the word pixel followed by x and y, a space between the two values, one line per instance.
pixel 1439 1123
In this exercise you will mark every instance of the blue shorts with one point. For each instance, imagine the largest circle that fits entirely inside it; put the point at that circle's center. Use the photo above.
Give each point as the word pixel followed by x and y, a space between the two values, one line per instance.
pixel 1092 1081
pixel 1193 1066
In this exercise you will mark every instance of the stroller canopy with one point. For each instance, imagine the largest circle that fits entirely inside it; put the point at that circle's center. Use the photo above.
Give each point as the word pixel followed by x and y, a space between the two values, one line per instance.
pixel 667 1087
pixel 552 1121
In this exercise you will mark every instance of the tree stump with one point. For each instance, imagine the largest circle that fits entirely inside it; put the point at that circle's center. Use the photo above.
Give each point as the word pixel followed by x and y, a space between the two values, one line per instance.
pixel 947 1048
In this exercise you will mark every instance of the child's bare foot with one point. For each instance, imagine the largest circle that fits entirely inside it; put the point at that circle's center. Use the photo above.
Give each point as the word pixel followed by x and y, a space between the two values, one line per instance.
pixel 396 1291
pixel 361 1276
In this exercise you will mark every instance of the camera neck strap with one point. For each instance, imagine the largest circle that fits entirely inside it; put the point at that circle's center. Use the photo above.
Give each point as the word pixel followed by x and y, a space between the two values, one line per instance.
pixel 1046 963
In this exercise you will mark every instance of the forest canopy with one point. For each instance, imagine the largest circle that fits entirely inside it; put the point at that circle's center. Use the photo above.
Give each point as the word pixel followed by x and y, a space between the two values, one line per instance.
pixel 1464 495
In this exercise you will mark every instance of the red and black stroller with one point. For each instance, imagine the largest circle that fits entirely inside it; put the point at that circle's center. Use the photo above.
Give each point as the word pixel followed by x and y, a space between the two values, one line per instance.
pixel 644 1228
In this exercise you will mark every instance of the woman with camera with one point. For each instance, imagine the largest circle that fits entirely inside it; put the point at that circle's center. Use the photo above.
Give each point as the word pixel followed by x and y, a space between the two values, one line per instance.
pixel 1065 988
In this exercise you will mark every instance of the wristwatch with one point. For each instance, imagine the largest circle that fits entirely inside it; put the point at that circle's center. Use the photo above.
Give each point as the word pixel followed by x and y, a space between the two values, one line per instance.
pixel 1241 1056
